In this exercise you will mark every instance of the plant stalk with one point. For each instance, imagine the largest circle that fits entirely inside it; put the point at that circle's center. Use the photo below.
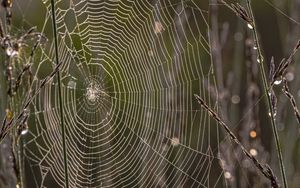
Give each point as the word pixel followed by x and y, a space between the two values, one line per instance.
pixel 266 89
pixel 63 128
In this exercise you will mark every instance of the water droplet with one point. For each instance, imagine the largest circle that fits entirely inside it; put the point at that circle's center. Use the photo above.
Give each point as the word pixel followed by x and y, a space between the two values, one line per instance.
pixel 259 59
pixel 24 131
pixel 250 26
pixel 11 52
pixel 274 114
pixel 254 47
pixel 278 81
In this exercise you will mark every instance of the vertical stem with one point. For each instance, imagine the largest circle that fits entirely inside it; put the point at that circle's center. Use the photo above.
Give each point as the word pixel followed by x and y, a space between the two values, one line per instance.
pixel 265 83
pixel 63 128
pixel 20 163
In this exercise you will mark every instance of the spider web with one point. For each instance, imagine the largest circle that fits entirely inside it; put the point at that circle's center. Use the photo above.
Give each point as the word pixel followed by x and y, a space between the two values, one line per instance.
pixel 130 69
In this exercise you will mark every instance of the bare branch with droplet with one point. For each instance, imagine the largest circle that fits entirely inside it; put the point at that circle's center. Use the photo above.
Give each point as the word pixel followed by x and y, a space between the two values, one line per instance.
pixel 6 126
pixel 284 65
pixel 291 98
pixel 263 168
pixel 240 11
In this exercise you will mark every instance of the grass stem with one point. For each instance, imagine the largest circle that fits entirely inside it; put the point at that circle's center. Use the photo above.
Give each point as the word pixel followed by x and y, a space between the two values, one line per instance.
pixel 266 89
pixel 63 128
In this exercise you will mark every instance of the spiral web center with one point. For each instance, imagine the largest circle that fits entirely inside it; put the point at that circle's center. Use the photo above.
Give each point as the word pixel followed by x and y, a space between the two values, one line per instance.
pixel 93 92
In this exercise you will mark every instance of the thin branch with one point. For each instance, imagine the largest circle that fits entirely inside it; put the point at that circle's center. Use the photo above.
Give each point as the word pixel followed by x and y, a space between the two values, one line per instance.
pixel 27 65
pixel 284 64
pixel 291 98
pixel 8 122
pixel 264 169
pixel 239 11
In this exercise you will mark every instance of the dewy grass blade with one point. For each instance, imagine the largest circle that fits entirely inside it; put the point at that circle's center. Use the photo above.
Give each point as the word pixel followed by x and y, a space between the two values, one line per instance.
pixel 63 128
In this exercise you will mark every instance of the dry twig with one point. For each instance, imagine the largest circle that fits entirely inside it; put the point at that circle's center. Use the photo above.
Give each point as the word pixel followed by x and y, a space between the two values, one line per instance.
pixel 263 168
pixel 6 126
pixel 291 98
